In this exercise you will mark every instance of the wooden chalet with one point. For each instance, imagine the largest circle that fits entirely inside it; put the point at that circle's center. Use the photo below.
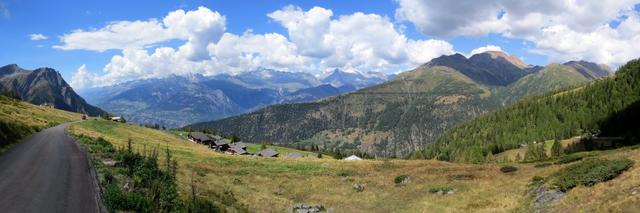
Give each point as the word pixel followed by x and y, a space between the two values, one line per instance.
pixel 220 145
pixel 236 151
pixel 199 137
pixel 267 153
pixel 238 148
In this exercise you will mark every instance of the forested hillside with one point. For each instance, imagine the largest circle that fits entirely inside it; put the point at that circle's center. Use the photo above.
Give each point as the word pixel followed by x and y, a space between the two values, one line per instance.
pixel 404 114
pixel 606 105
pixel 386 120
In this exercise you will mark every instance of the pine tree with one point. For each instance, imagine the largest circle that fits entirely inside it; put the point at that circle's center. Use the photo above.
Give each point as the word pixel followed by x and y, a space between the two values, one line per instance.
pixel 264 146
pixel 556 149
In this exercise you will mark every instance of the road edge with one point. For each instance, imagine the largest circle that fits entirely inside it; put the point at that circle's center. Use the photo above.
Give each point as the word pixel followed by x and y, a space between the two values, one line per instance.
pixel 94 174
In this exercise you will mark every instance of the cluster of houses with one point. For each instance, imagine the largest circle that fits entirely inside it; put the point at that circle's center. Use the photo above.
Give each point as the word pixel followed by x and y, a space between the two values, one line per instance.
pixel 226 146
pixel 239 148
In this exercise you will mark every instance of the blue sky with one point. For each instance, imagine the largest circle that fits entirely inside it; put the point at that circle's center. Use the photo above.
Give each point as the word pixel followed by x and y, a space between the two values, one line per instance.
pixel 52 19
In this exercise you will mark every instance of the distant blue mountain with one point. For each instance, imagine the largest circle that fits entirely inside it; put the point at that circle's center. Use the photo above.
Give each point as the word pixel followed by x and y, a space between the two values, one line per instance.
pixel 176 101
pixel 339 78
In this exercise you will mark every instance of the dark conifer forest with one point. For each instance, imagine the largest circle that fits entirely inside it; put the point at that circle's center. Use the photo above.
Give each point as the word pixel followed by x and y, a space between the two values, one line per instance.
pixel 608 107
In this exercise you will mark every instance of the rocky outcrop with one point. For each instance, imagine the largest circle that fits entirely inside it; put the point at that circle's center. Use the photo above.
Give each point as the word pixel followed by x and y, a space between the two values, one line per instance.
pixel 44 86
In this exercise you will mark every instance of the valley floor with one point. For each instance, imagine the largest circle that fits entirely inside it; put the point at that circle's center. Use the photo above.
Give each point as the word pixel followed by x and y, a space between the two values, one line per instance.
pixel 276 184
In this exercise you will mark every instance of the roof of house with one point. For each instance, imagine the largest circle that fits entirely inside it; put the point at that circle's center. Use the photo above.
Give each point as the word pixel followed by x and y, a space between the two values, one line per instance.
pixel 237 150
pixel 267 153
pixel 221 142
pixel 352 157
pixel 294 155
pixel 239 144
pixel 199 136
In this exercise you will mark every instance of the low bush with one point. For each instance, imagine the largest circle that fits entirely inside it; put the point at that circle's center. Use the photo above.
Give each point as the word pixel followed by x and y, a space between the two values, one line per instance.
pixel 508 169
pixel 402 179
pixel 542 165
pixel 589 172
pixel 537 179
pixel 199 205
pixel 345 173
pixel 153 188
pixel 568 159
pixel 116 199
pixel 443 189
pixel 13 132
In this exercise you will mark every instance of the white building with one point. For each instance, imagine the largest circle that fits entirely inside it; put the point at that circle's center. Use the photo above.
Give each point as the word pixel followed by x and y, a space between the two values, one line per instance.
pixel 352 157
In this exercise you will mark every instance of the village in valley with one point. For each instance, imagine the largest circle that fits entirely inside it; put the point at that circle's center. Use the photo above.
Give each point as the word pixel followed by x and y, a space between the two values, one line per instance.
pixel 234 146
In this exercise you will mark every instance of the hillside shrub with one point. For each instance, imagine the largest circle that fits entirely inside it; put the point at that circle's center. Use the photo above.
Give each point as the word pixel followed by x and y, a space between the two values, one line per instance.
pixel 13 132
pixel 542 165
pixel 537 179
pixel 508 169
pixel 440 189
pixel 401 179
pixel 345 173
pixel 154 189
pixel 589 172
pixel 568 159
pixel 116 199
pixel 200 205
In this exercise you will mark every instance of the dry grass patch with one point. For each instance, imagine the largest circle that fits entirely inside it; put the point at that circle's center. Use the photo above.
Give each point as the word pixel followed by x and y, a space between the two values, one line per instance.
pixel 14 111
pixel 275 184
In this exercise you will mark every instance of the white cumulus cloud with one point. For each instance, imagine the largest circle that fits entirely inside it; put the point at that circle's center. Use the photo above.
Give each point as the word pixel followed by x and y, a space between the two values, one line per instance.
pixel 198 28
pixel 485 49
pixel 316 41
pixel 82 78
pixel 559 29
pixel 37 37
pixel 355 41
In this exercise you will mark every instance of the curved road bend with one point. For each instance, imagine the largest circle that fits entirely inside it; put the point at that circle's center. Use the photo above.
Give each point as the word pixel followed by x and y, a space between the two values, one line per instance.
pixel 46 172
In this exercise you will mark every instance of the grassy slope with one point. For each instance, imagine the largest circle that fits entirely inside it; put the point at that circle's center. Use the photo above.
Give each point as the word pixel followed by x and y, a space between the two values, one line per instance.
pixel 272 185
pixel 511 154
pixel 551 78
pixel 19 119
pixel 14 111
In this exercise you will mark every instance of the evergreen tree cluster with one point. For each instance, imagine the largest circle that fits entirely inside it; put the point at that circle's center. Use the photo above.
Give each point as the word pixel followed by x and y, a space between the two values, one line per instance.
pixel 562 114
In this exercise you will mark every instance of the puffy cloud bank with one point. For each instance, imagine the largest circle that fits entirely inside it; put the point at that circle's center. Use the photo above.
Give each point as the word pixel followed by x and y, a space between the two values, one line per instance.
pixel 603 31
pixel 316 41
pixel 560 29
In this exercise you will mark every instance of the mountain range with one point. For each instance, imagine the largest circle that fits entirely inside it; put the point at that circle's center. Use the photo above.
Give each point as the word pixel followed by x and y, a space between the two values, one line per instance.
pixel 604 108
pixel 176 101
pixel 413 110
pixel 43 86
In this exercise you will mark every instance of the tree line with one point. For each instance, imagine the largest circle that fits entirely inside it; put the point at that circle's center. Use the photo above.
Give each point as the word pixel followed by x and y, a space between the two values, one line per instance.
pixel 598 107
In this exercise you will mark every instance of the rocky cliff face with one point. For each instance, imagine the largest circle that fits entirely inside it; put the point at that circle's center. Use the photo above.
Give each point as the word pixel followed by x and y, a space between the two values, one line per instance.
pixel 43 86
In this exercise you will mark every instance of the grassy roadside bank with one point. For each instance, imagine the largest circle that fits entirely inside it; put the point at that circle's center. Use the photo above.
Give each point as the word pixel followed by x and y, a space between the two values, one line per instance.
pixel 19 119
pixel 282 182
